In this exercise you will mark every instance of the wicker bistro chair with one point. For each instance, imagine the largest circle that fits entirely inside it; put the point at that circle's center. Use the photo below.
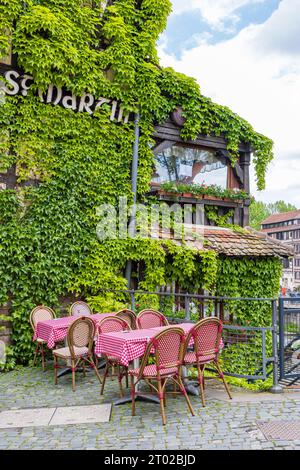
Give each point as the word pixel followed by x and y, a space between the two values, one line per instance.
pixel 80 339
pixel 80 309
pixel 110 325
pixel 149 318
pixel 207 334
pixel 168 346
pixel 129 316
pixel 40 313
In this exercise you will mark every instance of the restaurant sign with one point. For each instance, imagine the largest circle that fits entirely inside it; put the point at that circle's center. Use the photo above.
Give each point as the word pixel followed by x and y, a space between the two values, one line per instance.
pixel 19 83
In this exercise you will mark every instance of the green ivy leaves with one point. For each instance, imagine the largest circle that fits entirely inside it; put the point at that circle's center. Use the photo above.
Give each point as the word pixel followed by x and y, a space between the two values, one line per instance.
pixel 75 162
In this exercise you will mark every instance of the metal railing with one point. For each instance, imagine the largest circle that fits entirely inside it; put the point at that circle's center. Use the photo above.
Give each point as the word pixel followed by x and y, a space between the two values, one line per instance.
pixel 253 346
pixel 289 339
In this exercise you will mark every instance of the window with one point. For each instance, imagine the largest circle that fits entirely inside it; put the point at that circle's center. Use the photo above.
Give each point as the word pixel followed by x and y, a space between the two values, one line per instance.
pixel 297 275
pixel 297 263
pixel 297 234
pixel 190 165
pixel 297 248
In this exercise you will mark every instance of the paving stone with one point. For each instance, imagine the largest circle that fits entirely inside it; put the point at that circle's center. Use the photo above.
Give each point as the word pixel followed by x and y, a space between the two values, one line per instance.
pixel 25 418
pixel 81 414
pixel 221 425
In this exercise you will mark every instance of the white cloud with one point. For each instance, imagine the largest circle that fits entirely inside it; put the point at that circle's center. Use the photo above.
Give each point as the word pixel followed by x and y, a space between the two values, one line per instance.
pixel 259 80
pixel 215 12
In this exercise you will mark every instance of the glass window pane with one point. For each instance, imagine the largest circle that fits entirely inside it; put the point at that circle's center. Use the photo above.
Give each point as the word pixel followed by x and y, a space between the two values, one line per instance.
pixel 190 165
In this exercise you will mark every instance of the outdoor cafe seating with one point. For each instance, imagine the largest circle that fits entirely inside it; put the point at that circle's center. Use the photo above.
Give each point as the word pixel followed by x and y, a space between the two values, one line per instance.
pixel 38 314
pixel 79 352
pixel 79 309
pixel 110 325
pixel 168 346
pixel 127 342
pixel 207 337
pixel 129 316
pixel 149 318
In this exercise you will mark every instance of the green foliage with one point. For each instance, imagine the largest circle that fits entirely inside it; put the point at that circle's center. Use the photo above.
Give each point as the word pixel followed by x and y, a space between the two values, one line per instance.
pixel 48 243
pixel 259 211
pixel 254 278
pixel 248 278
pixel 10 360
pixel 199 190
pixel 220 220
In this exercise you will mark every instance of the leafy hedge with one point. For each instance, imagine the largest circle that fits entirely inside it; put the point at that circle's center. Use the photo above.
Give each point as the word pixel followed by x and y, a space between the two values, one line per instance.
pixel 48 244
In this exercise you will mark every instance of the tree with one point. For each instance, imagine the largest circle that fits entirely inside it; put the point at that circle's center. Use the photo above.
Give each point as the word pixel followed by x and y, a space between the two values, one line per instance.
pixel 259 211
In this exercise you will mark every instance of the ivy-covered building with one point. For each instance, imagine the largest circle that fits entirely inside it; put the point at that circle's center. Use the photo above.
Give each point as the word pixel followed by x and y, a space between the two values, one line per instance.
pixel 81 88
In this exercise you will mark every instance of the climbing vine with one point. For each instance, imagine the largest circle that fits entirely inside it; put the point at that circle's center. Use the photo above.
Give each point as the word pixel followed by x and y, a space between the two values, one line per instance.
pixel 68 163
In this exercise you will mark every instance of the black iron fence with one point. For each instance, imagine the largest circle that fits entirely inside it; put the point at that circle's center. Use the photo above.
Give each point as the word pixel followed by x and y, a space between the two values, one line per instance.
pixel 289 339
pixel 250 352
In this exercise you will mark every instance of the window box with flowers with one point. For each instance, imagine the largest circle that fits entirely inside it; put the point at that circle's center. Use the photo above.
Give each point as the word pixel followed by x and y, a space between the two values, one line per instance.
pixel 212 192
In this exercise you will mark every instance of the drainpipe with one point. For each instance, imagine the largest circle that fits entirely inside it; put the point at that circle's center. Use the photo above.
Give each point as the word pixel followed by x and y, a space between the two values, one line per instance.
pixel 134 175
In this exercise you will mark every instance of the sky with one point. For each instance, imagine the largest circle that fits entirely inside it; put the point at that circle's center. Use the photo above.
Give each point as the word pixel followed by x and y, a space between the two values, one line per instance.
pixel 245 54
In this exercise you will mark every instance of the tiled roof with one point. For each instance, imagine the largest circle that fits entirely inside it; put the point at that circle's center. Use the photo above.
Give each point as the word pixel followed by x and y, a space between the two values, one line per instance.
pixel 276 218
pixel 284 228
pixel 233 243
pixel 246 243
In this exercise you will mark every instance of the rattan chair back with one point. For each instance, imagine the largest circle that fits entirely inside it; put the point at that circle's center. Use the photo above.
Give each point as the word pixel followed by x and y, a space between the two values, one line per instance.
pixel 168 348
pixel 40 313
pixel 80 309
pixel 113 324
pixel 207 334
pixel 129 316
pixel 149 318
pixel 81 334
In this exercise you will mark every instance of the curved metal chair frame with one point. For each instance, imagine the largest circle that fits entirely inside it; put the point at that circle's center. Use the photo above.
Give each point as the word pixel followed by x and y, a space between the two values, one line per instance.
pixel 168 364
pixel 116 324
pixel 49 314
pixel 129 316
pixel 158 316
pixel 80 340
pixel 79 303
pixel 206 350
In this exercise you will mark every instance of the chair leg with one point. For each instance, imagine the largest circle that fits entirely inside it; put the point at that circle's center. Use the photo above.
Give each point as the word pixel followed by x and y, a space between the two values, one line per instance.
pixel 55 370
pixel 120 380
pixel 96 361
pixel 132 395
pixel 43 357
pixel 184 392
pixel 161 399
pixel 35 355
pixel 95 369
pixel 83 368
pixel 126 376
pixel 73 376
pixel 104 378
pixel 221 374
pixel 164 392
pixel 200 379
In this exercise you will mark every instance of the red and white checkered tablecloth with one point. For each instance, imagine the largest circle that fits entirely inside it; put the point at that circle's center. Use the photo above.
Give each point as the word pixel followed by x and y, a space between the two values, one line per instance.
pixel 127 346
pixel 56 330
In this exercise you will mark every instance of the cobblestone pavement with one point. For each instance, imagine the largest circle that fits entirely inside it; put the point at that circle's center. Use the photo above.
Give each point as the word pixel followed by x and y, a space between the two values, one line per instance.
pixel 221 425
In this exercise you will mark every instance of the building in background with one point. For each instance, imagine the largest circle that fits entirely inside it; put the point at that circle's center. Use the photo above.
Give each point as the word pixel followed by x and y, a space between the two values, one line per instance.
pixel 285 227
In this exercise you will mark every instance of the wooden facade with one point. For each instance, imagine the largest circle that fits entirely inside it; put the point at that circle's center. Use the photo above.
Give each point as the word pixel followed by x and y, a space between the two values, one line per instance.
pixel 168 134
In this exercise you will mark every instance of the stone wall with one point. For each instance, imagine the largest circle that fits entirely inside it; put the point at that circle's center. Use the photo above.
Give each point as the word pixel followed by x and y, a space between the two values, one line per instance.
pixel 5 326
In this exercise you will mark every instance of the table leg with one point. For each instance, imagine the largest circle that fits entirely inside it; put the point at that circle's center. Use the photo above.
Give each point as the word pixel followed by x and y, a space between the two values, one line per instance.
pixel 191 386
pixel 140 396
